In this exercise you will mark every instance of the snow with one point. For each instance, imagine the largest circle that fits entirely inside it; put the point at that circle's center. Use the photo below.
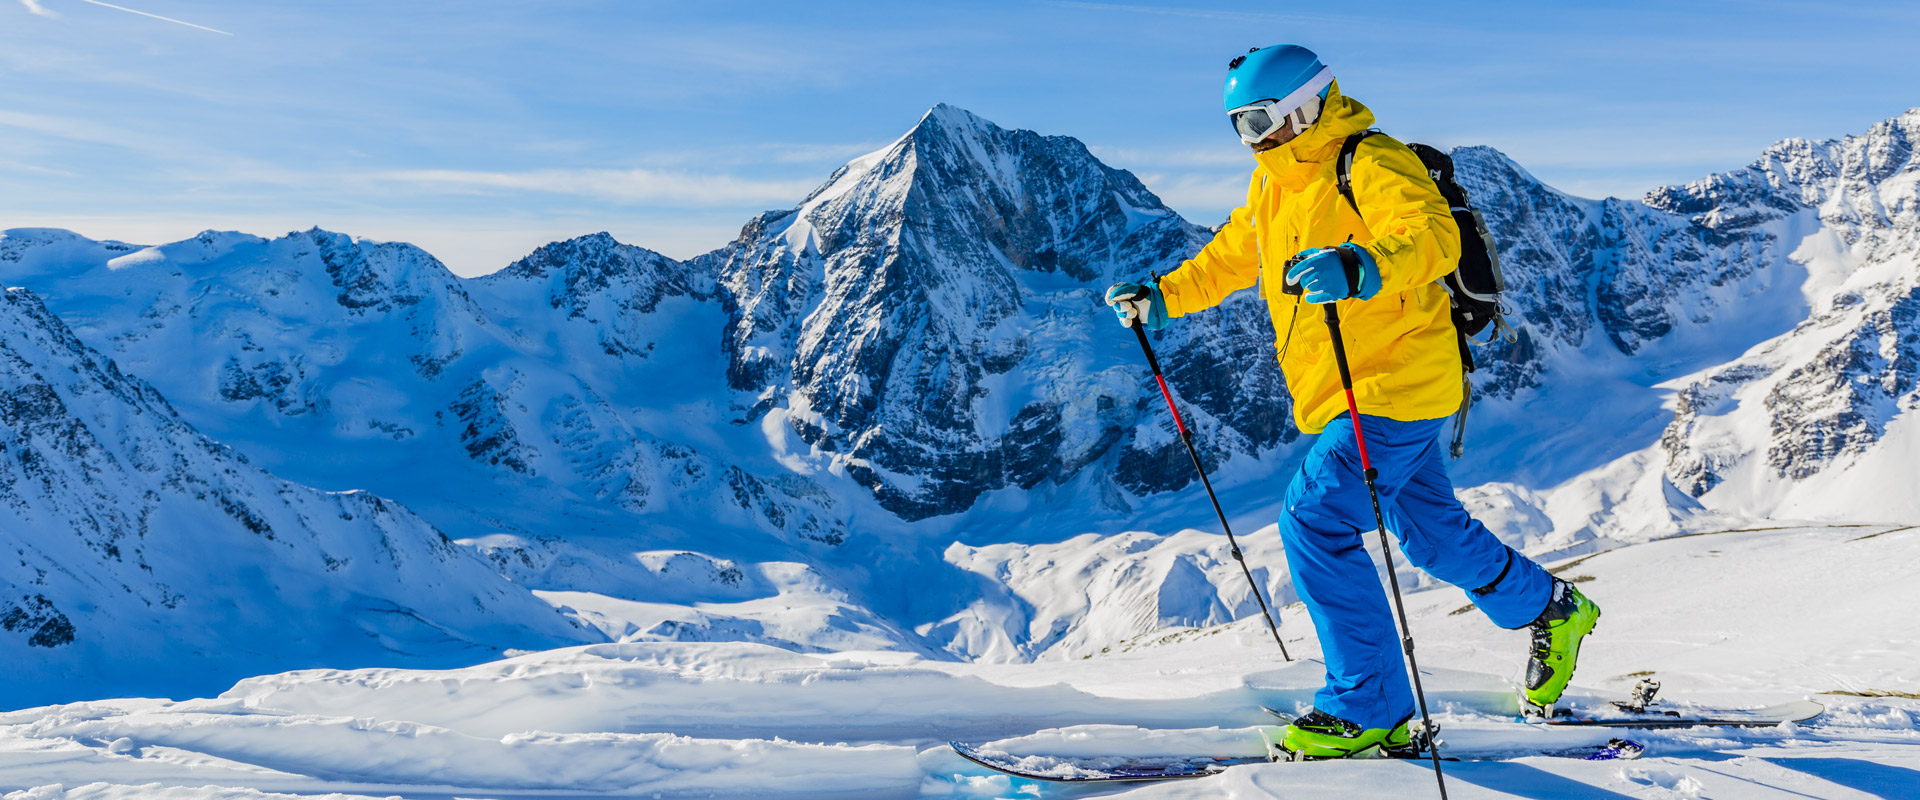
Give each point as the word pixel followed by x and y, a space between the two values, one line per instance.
pixel 1742 618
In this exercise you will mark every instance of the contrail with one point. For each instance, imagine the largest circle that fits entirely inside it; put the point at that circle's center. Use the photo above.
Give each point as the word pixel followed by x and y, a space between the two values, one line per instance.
pixel 157 16
pixel 34 7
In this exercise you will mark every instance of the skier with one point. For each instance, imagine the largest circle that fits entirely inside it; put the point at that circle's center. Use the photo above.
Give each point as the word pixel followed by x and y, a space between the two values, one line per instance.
pixel 1407 376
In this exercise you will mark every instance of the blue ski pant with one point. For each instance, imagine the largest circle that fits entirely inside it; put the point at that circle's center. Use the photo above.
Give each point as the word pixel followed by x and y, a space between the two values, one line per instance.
pixel 1327 519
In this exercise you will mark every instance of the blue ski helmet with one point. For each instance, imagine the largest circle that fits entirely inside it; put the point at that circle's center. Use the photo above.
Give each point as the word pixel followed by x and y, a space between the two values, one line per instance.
pixel 1279 73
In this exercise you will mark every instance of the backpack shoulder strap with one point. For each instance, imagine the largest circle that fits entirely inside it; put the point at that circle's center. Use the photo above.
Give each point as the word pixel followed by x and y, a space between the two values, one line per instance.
pixel 1343 168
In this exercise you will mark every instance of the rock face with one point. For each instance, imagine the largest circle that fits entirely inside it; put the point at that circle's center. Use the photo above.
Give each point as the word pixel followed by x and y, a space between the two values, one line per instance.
pixel 917 354
pixel 1826 393
pixel 143 557
pixel 928 318
pixel 1612 272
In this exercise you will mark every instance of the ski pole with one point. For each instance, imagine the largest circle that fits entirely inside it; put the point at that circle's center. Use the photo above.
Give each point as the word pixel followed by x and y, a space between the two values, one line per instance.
pixel 1186 437
pixel 1428 732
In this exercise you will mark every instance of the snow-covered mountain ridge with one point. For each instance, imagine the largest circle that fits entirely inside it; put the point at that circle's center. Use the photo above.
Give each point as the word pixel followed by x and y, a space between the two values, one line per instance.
pixel 812 416
pixel 144 556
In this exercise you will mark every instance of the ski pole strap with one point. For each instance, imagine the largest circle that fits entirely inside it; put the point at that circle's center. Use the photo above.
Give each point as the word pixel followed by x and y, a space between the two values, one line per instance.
pixel 1350 261
pixel 1459 444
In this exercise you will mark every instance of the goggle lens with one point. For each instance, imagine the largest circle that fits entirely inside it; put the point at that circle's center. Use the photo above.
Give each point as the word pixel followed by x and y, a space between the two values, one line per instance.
pixel 1253 123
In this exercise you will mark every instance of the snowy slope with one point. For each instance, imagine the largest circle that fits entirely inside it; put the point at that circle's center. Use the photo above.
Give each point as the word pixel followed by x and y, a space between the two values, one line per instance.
pixel 143 557
pixel 745 720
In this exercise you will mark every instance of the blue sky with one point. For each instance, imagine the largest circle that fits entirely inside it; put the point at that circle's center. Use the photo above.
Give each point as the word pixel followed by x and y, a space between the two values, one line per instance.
pixel 481 130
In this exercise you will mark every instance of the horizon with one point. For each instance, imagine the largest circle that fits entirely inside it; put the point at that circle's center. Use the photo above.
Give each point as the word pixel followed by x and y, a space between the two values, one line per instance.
pixel 670 127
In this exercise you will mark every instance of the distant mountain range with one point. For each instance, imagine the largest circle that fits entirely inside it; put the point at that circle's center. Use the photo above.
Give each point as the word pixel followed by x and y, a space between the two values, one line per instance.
pixel 141 554
pixel 873 419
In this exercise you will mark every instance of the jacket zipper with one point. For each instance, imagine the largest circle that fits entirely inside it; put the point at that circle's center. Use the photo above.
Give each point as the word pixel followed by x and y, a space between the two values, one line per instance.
pixel 1259 251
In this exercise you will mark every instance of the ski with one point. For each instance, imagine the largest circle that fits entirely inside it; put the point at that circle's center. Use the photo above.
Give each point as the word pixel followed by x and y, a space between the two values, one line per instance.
pixel 1640 711
pixel 1796 712
pixel 1077 769
pixel 1090 769
pixel 1614 749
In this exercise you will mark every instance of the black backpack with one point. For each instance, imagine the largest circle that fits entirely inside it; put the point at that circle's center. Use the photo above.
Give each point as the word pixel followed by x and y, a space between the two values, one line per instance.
pixel 1474 287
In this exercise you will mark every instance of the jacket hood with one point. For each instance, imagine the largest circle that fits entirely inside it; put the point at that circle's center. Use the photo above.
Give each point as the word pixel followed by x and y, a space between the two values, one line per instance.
pixel 1341 116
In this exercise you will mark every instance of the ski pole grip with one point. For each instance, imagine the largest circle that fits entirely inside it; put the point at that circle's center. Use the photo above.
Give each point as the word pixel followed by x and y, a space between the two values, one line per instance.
pixel 1287 284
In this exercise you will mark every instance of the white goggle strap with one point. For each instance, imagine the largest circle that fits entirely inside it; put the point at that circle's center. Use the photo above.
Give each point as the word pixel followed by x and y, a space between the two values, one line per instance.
pixel 1311 88
pixel 1303 117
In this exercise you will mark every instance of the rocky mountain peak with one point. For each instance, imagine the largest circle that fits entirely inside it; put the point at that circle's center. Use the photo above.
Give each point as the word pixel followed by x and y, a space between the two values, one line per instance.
pixel 953 123
pixel 873 316
pixel 378 276
pixel 572 273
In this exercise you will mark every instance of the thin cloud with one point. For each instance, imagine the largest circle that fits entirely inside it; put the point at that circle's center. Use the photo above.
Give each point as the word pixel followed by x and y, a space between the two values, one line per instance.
pixel 30 5
pixel 1195 13
pixel 633 186
pixel 1204 198
pixel 34 8
pixel 77 130
pixel 21 166
pixel 1133 159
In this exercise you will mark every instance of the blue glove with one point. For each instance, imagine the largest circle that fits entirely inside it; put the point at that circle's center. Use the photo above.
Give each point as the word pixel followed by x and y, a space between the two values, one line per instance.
pixel 1135 301
pixel 1321 273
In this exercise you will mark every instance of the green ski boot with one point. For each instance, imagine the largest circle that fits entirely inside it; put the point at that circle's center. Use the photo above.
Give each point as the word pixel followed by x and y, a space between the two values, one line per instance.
pixel 1320 735
pixel 1568 618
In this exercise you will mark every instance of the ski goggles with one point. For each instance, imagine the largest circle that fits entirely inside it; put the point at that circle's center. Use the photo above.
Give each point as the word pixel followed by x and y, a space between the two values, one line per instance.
pixel 1298 110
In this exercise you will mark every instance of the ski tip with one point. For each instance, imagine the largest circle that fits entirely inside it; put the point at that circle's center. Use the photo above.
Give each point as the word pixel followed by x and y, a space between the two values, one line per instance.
pixel 1619 750
pixel 1279 715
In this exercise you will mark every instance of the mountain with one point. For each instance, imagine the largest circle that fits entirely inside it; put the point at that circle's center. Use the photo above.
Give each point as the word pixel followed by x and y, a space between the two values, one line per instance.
pixel 878 420
pixel 1813 423
pixel 555 415
pixel 941 341
pixel 1752 331
pixel 145 558
pixel 927 318
pixel 533 393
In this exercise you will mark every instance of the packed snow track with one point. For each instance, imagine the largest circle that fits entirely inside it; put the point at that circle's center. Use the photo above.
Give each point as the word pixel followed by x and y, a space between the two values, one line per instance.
pixel 1734 618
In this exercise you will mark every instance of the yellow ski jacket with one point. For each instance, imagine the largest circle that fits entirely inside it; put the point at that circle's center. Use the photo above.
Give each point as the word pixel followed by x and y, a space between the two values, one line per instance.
pixel 1401 345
